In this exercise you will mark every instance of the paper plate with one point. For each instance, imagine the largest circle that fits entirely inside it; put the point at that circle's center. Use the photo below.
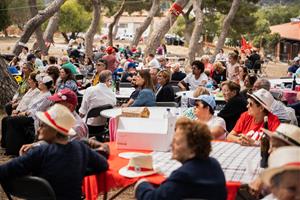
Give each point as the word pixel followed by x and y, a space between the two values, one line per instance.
pixel 128 155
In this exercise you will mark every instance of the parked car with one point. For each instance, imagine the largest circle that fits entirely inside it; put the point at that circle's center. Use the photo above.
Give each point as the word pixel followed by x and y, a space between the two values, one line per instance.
pixel 126 37
pixel 174 40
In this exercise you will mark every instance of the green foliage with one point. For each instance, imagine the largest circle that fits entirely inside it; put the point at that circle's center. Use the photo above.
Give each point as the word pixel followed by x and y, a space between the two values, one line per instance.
pixel 279 14
pixel 178 27
pixel 73 18
pixel 4 17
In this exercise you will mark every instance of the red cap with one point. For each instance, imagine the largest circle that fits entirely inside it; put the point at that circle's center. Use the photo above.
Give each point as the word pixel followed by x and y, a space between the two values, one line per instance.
pixel 110 49
pixel 65 95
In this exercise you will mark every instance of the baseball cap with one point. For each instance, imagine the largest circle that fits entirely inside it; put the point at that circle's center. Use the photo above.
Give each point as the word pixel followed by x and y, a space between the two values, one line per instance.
pixel 210 100
pixel 64 95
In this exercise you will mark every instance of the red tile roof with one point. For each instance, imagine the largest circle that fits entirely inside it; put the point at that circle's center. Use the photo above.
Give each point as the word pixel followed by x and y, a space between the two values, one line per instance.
pixel 288 30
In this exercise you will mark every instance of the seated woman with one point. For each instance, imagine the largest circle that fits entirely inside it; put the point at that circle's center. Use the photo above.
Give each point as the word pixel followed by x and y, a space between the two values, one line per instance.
pixel 31 94
pixel 67 80
pixel 165 92
pixel 199 177
pixel 283 174
pixel 247 130
pixel 204 111
pixel 27 68
pixel 20 129
pixel 243 72
pixel 219 73
pixel 146 95
pixel 190 112
pixel 248 84
pixel 235 104
pixel 62 163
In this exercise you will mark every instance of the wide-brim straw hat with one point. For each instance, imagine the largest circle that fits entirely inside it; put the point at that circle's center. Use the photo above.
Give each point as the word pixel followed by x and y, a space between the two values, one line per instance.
pixel 286 132
pixel 264 98
pixel 138 166
pixel 59 118
pixel 281 160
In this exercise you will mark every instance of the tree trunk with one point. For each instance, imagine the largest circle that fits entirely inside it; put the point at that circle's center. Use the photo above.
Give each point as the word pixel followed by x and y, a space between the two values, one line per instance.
pixel 8 85
pixel 116 28
pixel 89 36
pixel 39 43
pixel 188 25
pixel 164 26
pixel 65 37
pixel 116 17
pixel 194 42
pixel 52 27
pixel 141 29
pixel 226 25
pixel 35 22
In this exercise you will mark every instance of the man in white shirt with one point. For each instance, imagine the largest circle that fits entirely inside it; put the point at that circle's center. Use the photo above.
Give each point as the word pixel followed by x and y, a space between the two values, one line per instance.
pixel 195 79
pixel 96 96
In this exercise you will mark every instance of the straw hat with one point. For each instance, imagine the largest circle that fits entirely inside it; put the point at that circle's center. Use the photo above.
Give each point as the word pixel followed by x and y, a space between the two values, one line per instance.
pixel 286 132
pixel 282 159
pixel 60 118
pixel 263 97
pixel 138 166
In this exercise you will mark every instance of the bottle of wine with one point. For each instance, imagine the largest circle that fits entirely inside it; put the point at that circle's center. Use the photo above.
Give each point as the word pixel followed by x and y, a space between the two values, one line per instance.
pixel 294 82
pixel 117 86
pixel 264 146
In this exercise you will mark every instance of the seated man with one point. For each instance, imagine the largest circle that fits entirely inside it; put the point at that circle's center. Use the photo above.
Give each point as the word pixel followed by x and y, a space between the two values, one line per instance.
pixel 197 78
pixel 129 73
pixel 283 174
pixel 62 163
pixel 199 177
pixel 96 96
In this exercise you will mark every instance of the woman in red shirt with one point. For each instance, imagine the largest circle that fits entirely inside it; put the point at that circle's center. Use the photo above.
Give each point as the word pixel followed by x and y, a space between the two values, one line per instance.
pixel 247 130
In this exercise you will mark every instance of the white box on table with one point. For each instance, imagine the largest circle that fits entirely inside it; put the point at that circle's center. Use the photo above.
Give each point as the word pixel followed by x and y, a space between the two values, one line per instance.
pixel 145 133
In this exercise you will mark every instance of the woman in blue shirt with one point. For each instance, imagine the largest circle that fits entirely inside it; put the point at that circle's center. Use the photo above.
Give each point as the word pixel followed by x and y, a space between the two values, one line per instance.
pixel 146 96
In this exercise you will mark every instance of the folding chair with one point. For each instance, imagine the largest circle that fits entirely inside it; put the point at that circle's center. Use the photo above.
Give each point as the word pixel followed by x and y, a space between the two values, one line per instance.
pixel 99 132
pixel 29 187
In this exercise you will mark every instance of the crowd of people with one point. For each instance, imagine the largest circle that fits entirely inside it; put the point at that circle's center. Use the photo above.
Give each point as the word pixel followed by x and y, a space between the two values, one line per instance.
pixel 46 122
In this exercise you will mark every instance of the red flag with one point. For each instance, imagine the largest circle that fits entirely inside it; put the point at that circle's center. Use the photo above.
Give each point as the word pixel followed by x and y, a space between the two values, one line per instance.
pixel 245 45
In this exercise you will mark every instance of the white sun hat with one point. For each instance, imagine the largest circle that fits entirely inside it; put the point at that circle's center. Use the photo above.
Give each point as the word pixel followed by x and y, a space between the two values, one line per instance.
pixel 263 97
pixel 141 165
pixel 282 159
pixel 286 132
pixel 60 118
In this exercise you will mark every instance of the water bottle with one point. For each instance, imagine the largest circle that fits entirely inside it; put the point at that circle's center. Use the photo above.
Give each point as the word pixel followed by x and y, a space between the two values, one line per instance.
pixel 168 113
pixel 184 102
pixel 209 86
pixel 117 86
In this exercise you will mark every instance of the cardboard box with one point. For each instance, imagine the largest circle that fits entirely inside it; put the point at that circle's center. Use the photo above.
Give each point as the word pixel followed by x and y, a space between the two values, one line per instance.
pixel 145 133
pixel 135 112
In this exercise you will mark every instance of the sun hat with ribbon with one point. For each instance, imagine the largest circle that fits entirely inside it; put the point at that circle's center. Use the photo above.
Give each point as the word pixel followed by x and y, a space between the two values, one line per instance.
pixel 286 132
pixel 60 118
pixel 141 165
pixel 282 159
pixel 65 95
pixel 263 97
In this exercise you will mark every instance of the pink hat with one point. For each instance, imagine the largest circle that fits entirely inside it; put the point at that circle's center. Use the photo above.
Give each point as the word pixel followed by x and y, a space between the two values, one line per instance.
pixel 65 95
